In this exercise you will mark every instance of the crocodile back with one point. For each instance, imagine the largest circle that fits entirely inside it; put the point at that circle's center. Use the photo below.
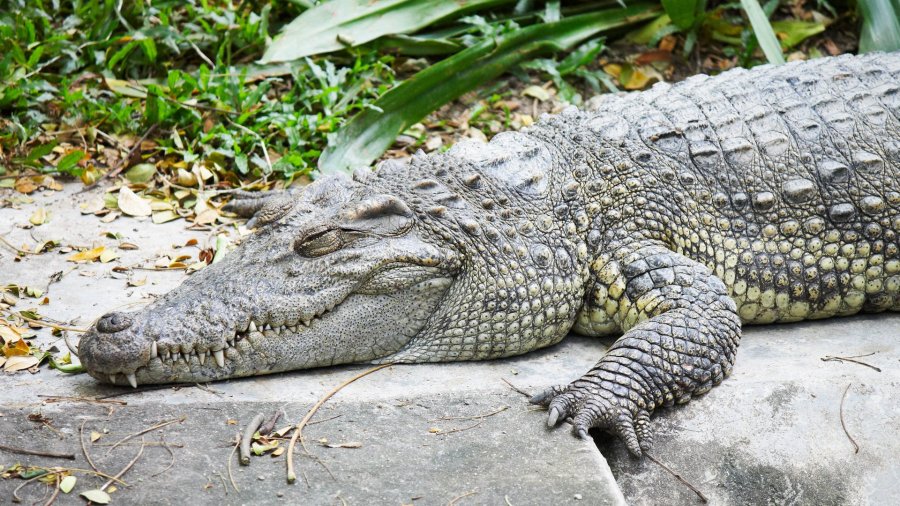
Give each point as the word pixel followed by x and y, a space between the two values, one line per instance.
pixel 785 181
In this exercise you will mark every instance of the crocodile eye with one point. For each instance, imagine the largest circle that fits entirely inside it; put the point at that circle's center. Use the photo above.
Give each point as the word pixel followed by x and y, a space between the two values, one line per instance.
pixel 321 243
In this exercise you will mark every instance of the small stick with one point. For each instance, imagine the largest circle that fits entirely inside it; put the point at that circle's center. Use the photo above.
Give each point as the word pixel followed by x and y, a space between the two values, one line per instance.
pixel 84 449
pixel 517 389
pixel 230 458
pixel 462 496
pixel 678 477
pixel 291 477
pixel 16 497
pixel 23 451
pixel 148 429
pixel 57 471
pixel 475 417
pixel 17 250
pixel 162 442
pixel 269 426
pixel 248 436
pixel 829 358
pixel 844 425
pixel 451 431
pixel 55 492
pixel 49 399
pixel 127 467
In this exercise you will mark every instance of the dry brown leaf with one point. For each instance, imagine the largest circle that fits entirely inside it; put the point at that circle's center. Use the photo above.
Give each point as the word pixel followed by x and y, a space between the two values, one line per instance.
pixel 133 205
pixel 25 185
pixel 110 217
pixel 95 436
pixel 16 349
pixel 14 364
pixel 207 217
pixel 137 282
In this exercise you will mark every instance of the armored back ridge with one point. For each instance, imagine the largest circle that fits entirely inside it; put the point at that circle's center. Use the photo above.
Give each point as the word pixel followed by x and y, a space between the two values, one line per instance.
pixel 670 216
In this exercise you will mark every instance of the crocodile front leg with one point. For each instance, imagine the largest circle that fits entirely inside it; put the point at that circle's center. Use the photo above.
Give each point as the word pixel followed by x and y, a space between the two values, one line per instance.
pixel 681 335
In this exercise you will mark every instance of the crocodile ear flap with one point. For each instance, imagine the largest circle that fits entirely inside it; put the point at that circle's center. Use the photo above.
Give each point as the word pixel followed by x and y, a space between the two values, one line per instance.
pixel 382 214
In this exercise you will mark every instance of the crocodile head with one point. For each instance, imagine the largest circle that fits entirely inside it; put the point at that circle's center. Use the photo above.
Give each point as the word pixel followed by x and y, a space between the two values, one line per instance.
pixel 389 266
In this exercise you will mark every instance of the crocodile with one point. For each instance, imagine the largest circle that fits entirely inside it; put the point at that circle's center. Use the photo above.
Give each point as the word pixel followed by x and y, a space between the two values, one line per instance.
pixel 670 217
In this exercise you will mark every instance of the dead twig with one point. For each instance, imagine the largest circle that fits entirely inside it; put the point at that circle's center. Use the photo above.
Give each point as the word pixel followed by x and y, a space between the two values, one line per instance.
pixel 49 399
pixel 127 467
pixel 461 496
pixel 17 250
pixel 678 477
pixel 474 417
pixel 269 426
pixel 247 436
pixel 228 465
pixel 515 388
pixel 23 451
pixel 291 476
pixel 460 429
pixel 87 456
pixel 55 493
pixel 843 424
pixel 148 429
pixel 44 323
pixel 164 444
pixel 829 358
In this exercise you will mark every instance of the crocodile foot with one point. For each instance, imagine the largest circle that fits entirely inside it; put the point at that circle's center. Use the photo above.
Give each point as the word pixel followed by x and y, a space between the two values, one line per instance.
pixel 586 404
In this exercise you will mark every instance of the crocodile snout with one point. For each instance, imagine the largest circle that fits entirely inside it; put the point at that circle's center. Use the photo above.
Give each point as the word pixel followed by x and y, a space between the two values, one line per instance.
pixel 113 322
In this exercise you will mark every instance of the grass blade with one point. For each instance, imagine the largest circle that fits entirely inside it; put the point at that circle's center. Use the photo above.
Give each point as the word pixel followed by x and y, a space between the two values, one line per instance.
pixel 763 30
pixel 365 137
pixel 338 24
pixel 881 25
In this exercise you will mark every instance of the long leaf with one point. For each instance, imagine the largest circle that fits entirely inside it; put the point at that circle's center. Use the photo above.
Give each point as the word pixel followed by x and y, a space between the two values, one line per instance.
pixel 365 137
pixel 763 30
pixel 338 24
pixel 881 25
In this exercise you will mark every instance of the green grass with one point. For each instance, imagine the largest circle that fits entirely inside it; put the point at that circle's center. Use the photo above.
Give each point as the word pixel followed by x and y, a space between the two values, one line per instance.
pixel 78 78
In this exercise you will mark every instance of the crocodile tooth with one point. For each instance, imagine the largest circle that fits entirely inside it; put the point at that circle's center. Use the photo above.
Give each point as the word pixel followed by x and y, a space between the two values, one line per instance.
pixel 153 351
pixel 230 342
pixel 165 354
pixel 112 379
pixel 131 379
pixel 220 357
pixel 252 327
pixel 306 322
pixel 184 356
pixel 202 357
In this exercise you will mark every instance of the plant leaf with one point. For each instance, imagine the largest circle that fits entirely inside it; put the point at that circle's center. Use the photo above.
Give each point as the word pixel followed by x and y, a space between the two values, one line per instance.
pixel 96 496
pixel 881 25
pixel 682 12
pixel 763 30
pixel 361 140
pixel 337 24
pixel 67 484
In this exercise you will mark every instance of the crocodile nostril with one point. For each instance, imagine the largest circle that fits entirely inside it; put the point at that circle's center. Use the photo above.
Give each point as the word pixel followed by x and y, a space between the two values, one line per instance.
pixel 113 322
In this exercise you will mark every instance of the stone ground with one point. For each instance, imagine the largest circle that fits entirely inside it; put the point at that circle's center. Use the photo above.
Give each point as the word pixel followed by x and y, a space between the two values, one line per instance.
pixel 432 434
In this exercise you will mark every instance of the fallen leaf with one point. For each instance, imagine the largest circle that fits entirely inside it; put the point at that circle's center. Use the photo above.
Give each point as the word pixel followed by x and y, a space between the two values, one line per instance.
pixel 92 206
pixel 16 349
pixel 25 185
pixel 434 430
pixel 87 255
pixel 164 216
pixel 39 217
pixel 133 205
pixel 110 217
pixel 108 256
pixel 95 436
pixel 137 282
pixel 67 484
pixel 278 451
pixel 538 92
pixel 141 173
pixel 14 364
pixel 231 421
pixel 352 444
pixel 96 496
pixel 207 217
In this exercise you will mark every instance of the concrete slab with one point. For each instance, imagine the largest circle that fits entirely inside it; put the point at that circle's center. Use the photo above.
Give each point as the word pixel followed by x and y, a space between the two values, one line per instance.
pixel 770 434
pixel 408 453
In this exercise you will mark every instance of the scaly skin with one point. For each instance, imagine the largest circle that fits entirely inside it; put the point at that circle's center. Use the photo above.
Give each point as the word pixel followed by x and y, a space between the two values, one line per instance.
pixel 670 216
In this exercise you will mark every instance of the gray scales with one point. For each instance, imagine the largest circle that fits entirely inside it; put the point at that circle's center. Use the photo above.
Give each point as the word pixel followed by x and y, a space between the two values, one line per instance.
pixel 670 216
